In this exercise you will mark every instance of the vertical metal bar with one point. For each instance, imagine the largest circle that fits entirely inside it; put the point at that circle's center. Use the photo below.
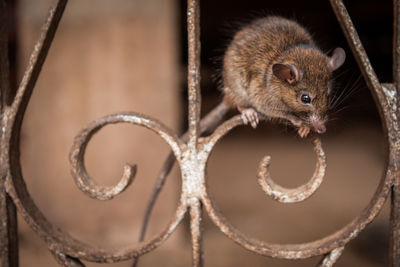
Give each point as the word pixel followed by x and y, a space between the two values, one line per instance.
pixel 358 49
pixel 394 252
pixel 396 44
pixel 8 230
pixel 11 259
pixel 8 216
pixel 196 228
pixel 193 28
pixel 4 63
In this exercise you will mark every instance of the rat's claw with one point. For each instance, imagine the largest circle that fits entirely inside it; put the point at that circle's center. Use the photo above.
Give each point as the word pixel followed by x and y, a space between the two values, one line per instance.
pixel 244 118
pixel 249 115
pixel 304 131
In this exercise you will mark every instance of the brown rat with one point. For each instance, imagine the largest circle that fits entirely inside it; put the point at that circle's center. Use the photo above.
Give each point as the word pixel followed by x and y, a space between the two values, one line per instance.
pixel 273 69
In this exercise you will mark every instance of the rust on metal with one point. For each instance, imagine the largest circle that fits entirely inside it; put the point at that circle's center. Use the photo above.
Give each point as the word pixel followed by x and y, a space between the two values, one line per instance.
pixel 67 260
pixel 331 257
pixel 193 28
pixel 78 170
pixel 192 153
pixel 394 247
pixel 207 124
pixel 58 241
pixel 196 231
pixel 300 193
pixel 358 49
pixel 8 213
pixel 4 62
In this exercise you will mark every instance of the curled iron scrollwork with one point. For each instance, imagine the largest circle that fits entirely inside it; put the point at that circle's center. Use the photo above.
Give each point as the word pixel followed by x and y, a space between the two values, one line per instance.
pixel 300 193
pixel 78 170
pixel 192 158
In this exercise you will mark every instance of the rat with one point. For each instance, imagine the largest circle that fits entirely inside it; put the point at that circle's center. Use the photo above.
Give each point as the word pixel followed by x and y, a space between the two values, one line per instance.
pixel 272 69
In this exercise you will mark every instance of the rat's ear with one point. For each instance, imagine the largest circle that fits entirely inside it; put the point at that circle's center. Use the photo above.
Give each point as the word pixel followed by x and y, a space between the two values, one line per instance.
pixel 286 72
pixel 337 58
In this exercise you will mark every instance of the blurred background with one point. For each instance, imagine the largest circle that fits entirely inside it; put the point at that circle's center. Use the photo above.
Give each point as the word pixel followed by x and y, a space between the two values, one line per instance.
pixel 131 55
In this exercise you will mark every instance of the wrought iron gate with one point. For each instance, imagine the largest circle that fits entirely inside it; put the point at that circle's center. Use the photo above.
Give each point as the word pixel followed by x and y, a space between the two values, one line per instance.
pixel 192 158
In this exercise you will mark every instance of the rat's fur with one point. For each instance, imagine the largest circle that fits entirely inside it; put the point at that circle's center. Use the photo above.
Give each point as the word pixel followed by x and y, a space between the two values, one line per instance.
pixel 252 81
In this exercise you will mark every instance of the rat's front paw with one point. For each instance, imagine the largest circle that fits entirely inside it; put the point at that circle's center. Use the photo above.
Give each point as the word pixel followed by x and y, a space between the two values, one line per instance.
pixel 249 115
pixel 303 131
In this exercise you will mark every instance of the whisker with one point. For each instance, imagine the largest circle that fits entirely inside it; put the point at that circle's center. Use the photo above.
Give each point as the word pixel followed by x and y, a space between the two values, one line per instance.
pixel 339 110
pixel 349 89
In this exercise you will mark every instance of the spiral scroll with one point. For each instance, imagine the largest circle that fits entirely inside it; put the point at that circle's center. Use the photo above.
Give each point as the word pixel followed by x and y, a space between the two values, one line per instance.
pixel 331 244
pixel 301 193
pixel 78 170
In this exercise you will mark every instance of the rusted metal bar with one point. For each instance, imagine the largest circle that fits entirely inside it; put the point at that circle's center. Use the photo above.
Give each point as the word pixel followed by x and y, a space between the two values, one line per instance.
pixel 67 261
pixel 37 58
pixel 196 231
pixel 8 229
pixel 387 100
pixel 8 214
pixel 4 61
pixel 394 247
pixel 193 28
pixel 358 51
pixel 396 44
pixel 330 259
pixel 207 124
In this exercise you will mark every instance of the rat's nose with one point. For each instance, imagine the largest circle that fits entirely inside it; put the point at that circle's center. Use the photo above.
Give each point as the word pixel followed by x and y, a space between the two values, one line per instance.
pixel 320 128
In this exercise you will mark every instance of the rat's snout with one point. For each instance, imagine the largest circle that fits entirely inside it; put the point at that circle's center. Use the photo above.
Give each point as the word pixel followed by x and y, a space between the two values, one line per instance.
pixel 320 128
pixel 317 124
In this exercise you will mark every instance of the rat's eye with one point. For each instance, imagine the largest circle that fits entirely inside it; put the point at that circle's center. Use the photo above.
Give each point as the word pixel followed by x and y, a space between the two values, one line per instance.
pixel 306 99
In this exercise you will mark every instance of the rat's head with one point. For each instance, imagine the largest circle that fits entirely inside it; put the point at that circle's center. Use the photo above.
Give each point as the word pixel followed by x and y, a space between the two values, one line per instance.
pixel 303 77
